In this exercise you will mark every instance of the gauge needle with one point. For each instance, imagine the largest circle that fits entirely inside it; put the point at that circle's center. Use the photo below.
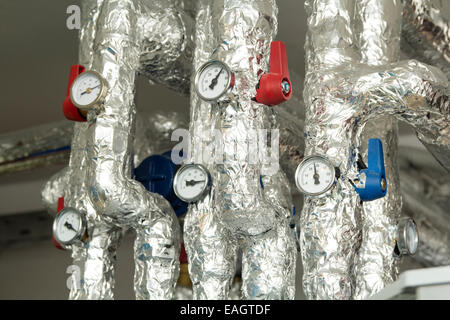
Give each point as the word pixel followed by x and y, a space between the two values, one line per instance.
pixel 89 90
pixel 193 182
pixel 316 175
pixel 214 81
pixel 69 226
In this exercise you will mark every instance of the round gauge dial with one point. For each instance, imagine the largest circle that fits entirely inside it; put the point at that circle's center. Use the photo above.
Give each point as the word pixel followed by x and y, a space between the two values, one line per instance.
pixel 212 80
pixel 87 90
pixel 412 237
pixel 191 182
pixel 408 236
pixel 69 226
pixel 315 175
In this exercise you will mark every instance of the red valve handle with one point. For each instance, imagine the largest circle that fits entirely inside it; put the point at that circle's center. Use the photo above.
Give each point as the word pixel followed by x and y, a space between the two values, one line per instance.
pixel 275 87
pixel 70 111
pixel 60 207
pixel 183 254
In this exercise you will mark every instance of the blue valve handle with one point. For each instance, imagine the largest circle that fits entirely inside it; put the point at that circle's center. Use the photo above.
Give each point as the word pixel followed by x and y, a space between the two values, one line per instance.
pixel 375 185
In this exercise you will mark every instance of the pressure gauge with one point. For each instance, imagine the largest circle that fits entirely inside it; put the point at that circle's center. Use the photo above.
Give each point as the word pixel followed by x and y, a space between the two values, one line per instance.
pixel 315 175
pixel 191 182
pixel 69 226
pixel 213 80
pixel 407 236
pixel 88 90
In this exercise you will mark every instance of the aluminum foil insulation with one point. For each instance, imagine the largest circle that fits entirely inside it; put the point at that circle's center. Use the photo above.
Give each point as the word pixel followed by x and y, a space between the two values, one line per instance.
pixel 426 37
pixel 426 32
pixel 128 37
pixel 236 213
pixel 376 266
pixel 426 197
pixel 341 94
pixel 378 26
pixel 34 147
pixel 129 40
pixel 94 261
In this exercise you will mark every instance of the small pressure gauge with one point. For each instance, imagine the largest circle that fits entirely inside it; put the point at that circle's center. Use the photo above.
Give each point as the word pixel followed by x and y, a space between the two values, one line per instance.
pixel 88 90
pixel 407 236
pixel 69 226
pixel 191 182
pixel 315 175
pixel 213 80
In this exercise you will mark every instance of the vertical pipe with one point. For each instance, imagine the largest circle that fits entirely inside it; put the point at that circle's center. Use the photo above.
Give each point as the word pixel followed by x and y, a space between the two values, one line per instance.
pixel 378 27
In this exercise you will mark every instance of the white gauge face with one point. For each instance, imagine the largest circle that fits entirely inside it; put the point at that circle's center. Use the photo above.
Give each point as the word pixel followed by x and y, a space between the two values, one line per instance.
pixel 191 182
pixel 212 80
pixel 68 226
pixel 86 89
pixel 315 175
pixel 412 238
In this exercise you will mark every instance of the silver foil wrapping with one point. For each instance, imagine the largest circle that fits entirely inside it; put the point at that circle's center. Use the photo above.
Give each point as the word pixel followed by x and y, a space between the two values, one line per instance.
pixel 378 25
pixel 236 212
pixel 94 260
pixel 34 147
pixel 54 189
pixel 426 32
pixel 342 92
pixel 426 36
pixel 426 198
pixel 120 39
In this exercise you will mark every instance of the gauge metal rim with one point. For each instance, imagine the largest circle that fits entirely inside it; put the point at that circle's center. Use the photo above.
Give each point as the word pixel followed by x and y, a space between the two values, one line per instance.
pixel 99 98
pixel 403 236
pixel 199 72
pixel 205 189
pixel 297 172
pixel 78 235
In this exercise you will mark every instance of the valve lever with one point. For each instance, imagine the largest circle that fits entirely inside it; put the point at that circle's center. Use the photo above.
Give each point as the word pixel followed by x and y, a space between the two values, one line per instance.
pixel 372 182
pixel 70 111
pixel 275 87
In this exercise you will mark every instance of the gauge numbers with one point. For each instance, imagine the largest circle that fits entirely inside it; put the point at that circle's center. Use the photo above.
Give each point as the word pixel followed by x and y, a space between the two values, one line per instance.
pixel 191 182
pixel 315 175
pixel 87 89
pixel 212 80
pixel 68 226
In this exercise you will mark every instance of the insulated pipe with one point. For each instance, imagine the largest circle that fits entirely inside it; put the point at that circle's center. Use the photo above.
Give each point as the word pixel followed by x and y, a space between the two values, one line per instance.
pixel 426 37
pixel 128 37
pixel 95 262
pixel 125 45
pixel 431 218
pixel 426 32
pixel 236 212
pixel 340 96
pixel 378 26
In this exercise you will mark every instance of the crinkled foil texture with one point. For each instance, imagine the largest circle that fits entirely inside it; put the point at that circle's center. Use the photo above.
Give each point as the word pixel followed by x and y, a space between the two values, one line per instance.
pixel 247 29
pixel 35 147
pixel 426 32
pixel 166 56
pixel 426 37
pixel 236 212
pixel 426 197
pixel 376 265
pixel 119 39
pixel 346 85
pixel 378 25
pixel 125 34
